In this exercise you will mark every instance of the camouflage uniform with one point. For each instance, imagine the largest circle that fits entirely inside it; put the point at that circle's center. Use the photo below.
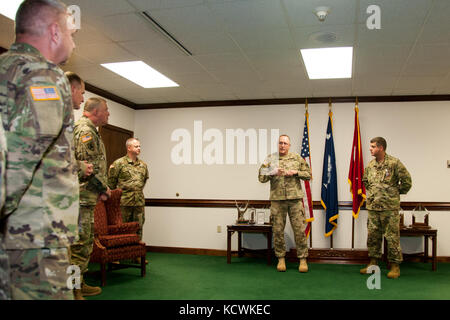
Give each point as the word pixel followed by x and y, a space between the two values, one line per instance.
pixel 39 217
pixel 384 183
pixel 2 165
pixel 286 194
pixel 88 146
pixel 131 178
pixel 5 290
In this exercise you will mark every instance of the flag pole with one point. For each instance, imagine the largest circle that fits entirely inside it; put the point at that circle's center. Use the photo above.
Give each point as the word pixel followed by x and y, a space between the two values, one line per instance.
pixel 353 218
pixel 329 114
pixel 310 223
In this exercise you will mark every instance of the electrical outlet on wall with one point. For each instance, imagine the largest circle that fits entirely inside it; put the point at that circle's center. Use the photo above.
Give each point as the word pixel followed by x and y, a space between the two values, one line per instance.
pixel 219 229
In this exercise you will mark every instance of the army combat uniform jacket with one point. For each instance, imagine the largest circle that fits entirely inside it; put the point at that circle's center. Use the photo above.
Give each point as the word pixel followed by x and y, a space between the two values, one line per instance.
pixel 385 182
pixel 89 146
pixel 130 177
pixel 42 192
pixel 2 164
pixel 284 187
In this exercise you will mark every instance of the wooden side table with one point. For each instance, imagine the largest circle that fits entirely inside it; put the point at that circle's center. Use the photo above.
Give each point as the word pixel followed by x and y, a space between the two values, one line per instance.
pixel 426 234
pixel 265 229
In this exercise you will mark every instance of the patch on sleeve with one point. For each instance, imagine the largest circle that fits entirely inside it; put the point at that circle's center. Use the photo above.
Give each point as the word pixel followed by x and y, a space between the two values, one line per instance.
pixel 86 138
pixel 44 93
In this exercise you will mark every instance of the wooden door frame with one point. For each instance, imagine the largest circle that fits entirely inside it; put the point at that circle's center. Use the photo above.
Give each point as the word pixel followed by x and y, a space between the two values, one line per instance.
pixel 110 127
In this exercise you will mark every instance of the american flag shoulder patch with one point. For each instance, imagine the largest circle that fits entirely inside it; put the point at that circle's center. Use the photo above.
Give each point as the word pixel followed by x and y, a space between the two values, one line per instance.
pixel 44 93
pixel 86 138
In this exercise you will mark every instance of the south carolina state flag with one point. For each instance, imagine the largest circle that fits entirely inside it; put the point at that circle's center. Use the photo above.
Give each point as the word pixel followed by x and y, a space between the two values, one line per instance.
pixel 329 194
pixel 356 170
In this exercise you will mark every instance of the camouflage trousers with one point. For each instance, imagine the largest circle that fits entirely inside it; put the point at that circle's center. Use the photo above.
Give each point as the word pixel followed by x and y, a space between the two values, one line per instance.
pixel 387 224
pixel 134 214
pixel 80 251
pixel 39 274
pixel 278 212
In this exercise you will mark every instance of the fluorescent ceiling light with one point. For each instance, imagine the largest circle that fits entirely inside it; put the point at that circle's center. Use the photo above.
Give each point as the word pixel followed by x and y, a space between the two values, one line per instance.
pixel 328 63
pixel 141 74
pixel 9 8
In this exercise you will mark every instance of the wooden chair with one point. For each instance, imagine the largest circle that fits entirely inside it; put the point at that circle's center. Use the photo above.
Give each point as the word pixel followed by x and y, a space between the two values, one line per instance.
pixel 113 239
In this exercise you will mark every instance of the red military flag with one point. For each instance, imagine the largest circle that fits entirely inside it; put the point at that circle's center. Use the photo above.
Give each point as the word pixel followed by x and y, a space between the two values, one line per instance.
pixel 356 171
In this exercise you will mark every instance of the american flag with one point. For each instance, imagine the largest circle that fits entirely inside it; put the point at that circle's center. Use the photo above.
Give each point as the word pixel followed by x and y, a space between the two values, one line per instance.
pixel 307 200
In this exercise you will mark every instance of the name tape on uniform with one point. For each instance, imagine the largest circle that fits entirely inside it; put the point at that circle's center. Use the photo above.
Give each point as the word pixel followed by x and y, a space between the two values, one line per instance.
pixel 44 93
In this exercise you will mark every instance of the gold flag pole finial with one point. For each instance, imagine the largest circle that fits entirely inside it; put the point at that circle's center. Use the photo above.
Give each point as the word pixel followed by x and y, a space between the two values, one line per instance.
pixel 356 103
pixel 329 104
pixel 306 105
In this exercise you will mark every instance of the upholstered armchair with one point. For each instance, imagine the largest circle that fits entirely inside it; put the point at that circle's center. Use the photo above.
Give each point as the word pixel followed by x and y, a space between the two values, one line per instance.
pixel 114 216
pixel 115 240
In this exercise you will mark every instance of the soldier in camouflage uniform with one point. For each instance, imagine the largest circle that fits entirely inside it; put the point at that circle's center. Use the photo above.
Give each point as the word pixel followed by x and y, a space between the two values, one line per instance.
pixel 38 220
pixel 385 178
pixel 78 89
pixel 89 147
pixel 284 171
pixel 130 174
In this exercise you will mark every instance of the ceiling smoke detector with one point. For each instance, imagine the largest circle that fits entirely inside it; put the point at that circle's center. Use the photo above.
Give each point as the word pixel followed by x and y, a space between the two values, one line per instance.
pixel 322 13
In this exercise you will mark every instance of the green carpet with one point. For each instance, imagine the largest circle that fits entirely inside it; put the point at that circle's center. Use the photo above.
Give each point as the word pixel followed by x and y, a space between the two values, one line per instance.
pixel 196 277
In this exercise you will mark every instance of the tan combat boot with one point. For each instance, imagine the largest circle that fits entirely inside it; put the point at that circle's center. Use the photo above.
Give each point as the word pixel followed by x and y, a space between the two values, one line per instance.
pixel 373 262
pixel 281 265
pixel 394 273
pixel 303 267
pixel 88 291
pixel 77 295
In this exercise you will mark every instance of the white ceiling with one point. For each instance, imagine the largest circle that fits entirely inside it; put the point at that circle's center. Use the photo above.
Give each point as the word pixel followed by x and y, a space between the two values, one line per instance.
pixel 250 49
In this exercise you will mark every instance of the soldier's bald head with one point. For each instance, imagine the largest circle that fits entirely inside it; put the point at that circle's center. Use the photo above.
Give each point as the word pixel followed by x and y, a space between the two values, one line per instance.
pixel 34 16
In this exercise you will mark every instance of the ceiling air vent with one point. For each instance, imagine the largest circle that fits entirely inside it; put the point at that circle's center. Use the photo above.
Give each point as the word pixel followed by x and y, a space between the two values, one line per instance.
pixel 325 37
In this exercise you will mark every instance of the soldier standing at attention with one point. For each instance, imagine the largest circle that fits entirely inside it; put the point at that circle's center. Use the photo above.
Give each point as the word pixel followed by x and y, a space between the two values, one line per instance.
pixel 77 87
pixel 89 147
pixel 130 174
pixel 38 220
pixel 284 171
pixel 385 178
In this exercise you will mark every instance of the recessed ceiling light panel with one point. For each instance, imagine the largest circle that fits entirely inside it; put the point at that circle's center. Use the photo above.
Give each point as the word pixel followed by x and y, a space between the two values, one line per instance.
pixel 141 74
pixel 328 63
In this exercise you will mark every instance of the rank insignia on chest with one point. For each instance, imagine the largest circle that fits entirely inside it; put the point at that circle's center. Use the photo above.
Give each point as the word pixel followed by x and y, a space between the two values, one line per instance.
pixel 86 138
pixel 44 93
